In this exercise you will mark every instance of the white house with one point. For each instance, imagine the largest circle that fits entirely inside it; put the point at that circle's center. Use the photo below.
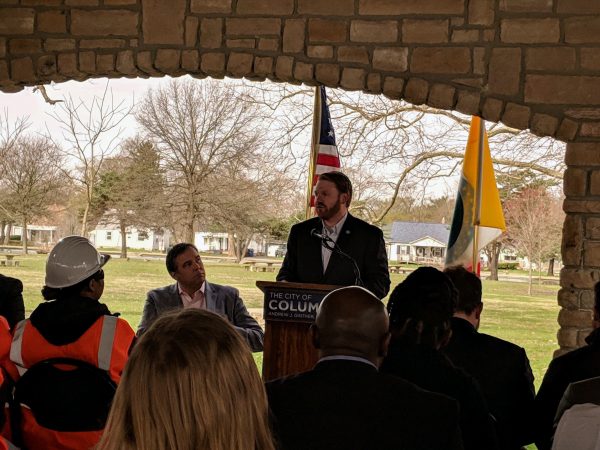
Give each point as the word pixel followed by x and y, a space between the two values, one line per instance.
pixel 218 242
pixel 206 241
pixel 37 234
pixel 418 242
pixel 109 235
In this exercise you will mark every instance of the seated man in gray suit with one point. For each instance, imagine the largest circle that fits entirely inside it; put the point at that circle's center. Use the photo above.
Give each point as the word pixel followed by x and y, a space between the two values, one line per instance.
pixel 193 291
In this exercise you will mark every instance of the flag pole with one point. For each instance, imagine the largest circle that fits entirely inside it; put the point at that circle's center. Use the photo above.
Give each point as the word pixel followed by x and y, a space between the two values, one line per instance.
pixel 478 189
pixel 316 132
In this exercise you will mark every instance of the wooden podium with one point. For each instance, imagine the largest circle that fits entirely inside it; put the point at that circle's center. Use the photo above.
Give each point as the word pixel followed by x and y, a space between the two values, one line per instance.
pixel 289 310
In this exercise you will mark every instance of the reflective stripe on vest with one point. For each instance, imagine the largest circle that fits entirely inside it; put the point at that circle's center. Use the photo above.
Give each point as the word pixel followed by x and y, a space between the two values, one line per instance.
pixel 15 348
pixel 107 338
pixel 10 445
pixel 105 346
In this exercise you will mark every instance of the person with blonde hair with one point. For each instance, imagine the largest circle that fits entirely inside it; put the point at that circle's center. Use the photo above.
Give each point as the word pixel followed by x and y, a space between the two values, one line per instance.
pixel 190 384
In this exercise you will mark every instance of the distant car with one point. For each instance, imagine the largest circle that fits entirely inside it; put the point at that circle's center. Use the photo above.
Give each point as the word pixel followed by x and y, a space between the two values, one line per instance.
pixel 280 252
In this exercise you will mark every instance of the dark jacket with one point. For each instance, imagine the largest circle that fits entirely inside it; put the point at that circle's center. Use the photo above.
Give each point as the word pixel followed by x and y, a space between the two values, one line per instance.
pixel 11 300
pixel 574 366
pixel 64 321
pixel 504 375
pixel 363 242
pixel 349 405
pixel 431 370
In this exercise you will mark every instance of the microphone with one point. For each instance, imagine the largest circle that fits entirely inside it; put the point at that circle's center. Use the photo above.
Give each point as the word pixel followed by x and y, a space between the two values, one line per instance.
pixel 333 247
pixel 315 233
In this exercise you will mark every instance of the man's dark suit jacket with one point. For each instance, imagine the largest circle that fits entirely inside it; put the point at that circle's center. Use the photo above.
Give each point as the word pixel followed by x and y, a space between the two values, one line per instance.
pixel 348 405
pixel 11 300
pixel 574 366
pixel 430 369
pixel 363 242
pixel 504 375
pixel 223 300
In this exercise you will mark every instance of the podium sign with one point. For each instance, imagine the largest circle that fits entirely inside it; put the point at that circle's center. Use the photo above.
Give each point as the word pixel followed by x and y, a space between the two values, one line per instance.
pixel 288 305
pixel 289 310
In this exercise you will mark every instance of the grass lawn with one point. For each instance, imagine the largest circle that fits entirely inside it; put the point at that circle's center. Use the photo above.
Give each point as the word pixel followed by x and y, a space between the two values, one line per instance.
pixel 508 313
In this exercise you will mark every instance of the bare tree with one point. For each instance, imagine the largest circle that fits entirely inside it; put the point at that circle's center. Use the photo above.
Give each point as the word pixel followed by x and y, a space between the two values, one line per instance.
pixel 534 220
pixel 262 196
pixel 91 132
pixel 405 147
pixel 31 178
pixel 199 128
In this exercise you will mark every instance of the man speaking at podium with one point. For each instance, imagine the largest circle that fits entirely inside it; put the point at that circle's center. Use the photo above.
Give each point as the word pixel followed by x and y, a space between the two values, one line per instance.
pixel 336 247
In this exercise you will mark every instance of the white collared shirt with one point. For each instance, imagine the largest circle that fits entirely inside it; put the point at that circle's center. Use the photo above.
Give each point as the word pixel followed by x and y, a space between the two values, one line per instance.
pixel 347 358
pixel 333 233
pixel 198 301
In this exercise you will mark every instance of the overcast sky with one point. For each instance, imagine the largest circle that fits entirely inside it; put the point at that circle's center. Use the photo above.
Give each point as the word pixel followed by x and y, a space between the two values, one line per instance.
pixel 33 105
pixel 27 103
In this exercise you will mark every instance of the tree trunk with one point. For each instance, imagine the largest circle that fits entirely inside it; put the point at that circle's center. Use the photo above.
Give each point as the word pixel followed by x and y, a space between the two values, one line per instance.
pixel 231 244
pixel 189 226
pixel 492 251
pixel 84 220
pixel 123 229
pixel 530 278
pixel 8 232
pixel 2 230
pixel 24 236
pixel 540 270
pixel 550 272
pixel 189 232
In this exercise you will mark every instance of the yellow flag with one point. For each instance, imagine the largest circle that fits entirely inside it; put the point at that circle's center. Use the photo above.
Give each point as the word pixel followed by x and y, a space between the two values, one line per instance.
pixel 470 195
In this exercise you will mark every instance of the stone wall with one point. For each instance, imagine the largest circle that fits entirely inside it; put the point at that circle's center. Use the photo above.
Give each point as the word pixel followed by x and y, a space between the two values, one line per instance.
pixel 528 63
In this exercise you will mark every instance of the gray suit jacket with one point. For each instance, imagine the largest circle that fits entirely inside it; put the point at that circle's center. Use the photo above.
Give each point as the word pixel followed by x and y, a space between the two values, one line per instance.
pixel 223 300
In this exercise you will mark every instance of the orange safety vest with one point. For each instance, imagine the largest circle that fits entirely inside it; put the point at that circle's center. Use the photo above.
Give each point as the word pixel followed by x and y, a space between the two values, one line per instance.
pixel 7 445
pixel 105 345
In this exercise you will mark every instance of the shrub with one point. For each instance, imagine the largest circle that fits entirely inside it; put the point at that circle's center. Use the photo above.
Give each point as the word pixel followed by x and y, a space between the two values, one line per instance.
pixel 508 266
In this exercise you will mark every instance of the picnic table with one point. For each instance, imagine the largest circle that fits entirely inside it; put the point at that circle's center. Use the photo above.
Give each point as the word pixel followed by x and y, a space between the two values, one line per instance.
pixel 9 260
pixel 262 266
pixel 397 268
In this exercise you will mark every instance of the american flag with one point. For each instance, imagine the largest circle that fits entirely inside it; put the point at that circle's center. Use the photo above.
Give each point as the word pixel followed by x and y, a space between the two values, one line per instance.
pixel 328 158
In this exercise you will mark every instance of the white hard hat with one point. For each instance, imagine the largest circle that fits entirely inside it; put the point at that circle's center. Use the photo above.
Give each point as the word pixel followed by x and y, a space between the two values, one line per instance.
pixel 73 259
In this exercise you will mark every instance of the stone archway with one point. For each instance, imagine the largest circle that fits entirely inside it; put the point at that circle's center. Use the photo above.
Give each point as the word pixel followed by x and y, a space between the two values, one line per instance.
pixel 527 63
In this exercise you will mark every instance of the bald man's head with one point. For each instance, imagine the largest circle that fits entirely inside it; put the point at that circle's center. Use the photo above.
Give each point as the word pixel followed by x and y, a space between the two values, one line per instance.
pixel 351 321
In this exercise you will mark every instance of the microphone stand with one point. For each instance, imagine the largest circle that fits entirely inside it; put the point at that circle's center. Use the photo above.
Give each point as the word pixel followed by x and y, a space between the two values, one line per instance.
pixel 332 246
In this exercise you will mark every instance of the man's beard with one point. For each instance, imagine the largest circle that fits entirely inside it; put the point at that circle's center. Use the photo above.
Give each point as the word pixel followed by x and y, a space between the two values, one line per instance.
pixel 328 213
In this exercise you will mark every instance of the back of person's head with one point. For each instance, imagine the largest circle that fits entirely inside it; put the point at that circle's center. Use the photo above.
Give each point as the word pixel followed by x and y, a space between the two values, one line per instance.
pixel 174 252
pixel 71 266
pixel 422 306
pixel 190 383
pixel 341 181
pixel 468 286
pixel 351 321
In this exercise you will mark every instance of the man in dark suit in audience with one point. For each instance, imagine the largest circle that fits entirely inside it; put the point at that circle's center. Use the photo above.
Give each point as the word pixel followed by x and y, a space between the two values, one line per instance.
pixel 308 261
pixel 11 300
pixel 344 402
pixel 574 366
pixel 501 368
pixel 421 309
